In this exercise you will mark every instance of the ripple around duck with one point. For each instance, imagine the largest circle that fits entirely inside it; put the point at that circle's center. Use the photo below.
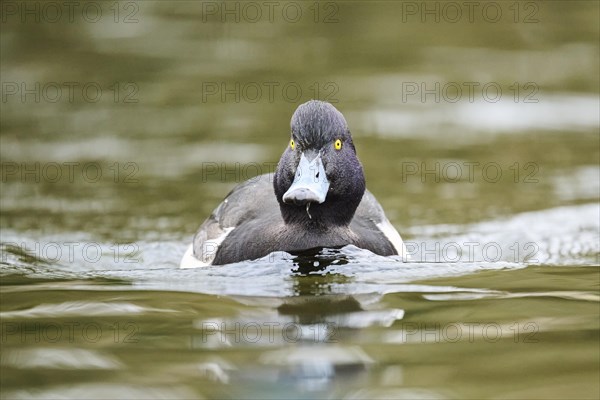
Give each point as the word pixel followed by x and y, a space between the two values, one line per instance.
pixel 76 308
pixel 559 236
pixel 59 358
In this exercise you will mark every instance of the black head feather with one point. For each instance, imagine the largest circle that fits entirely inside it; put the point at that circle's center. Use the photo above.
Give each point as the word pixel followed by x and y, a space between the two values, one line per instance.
pixel 316 125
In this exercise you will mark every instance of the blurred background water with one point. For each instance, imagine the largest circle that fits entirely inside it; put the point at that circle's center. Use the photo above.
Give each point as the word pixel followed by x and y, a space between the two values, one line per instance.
pixel 123 124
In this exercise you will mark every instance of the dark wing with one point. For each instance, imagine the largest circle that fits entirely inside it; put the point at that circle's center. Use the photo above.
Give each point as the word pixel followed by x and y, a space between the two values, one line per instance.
pixel 249 200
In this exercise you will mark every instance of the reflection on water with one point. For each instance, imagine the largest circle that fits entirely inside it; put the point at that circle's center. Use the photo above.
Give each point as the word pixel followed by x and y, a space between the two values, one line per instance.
pixel 479 138
pixel 282 327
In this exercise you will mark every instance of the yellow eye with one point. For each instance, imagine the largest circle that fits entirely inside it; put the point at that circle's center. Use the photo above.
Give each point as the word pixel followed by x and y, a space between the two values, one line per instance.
pixel 338 144
pixel 292 144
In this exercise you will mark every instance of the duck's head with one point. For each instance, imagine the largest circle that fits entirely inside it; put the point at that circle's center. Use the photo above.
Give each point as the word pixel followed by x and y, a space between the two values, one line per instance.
pixel 319 178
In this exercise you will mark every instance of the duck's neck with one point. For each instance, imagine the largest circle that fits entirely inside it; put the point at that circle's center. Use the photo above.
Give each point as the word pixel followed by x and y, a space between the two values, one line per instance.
pixel 321 217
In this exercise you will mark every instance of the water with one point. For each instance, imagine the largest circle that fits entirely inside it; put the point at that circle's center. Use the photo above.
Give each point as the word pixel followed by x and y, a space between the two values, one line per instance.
pixel 497 202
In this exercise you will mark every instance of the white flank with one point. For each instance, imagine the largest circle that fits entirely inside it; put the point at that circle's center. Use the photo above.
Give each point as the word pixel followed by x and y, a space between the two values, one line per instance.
pixel 209 251
pixel 189 261
pixel 394 237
